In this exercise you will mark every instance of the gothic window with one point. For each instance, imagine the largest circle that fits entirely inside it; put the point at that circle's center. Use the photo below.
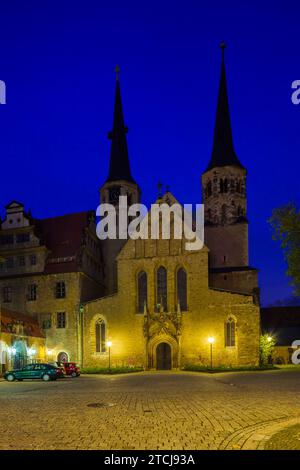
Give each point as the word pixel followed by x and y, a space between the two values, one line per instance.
pixel 230 332
pixel 182 288
pixel 142 291
pixel 100 330
pixel 161 288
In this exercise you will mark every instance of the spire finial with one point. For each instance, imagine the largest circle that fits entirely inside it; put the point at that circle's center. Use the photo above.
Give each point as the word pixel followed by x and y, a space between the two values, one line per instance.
pixel 117 71
pixel 223 47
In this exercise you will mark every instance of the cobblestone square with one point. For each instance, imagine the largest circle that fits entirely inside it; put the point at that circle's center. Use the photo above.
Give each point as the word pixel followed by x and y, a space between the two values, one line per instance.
pixel 155 411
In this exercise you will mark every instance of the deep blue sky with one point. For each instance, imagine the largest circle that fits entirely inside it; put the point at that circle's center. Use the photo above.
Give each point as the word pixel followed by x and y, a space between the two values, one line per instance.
pixel 58 59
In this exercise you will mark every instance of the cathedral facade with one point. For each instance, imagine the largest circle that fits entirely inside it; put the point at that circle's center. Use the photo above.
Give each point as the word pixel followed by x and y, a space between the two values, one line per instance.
pixel 169 307
pixel 148 303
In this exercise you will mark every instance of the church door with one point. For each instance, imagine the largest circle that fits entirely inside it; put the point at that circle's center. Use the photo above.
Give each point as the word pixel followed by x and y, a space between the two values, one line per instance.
pixel 163 357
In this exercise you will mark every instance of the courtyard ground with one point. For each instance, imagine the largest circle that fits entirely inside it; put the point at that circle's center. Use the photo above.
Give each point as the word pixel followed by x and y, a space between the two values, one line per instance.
pixel 154 410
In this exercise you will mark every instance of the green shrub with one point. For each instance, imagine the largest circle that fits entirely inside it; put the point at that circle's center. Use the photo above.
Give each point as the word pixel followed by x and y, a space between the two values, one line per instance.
pixel 112 370
pixel 201 368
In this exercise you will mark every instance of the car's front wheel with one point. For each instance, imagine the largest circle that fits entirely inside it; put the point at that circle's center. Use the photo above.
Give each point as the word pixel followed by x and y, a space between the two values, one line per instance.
pixel 73 374
pixel 46 377
pixel 10 377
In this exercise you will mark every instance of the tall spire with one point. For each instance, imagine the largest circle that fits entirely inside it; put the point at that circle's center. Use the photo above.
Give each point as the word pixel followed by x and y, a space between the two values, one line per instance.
pixel 223 150
pixel 119 167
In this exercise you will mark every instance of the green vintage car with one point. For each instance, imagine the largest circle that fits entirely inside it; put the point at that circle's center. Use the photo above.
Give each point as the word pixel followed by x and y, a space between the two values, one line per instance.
pixel 45 372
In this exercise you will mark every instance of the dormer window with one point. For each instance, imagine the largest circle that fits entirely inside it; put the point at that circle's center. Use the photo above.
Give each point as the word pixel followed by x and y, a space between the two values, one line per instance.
pixel 33 260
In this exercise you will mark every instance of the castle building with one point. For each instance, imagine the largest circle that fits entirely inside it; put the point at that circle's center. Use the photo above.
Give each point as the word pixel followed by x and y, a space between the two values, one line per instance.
pixel 160 305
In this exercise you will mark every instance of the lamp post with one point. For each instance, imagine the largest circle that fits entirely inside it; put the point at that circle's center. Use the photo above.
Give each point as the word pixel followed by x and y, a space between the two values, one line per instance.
pixel 211 340
pixel 109 345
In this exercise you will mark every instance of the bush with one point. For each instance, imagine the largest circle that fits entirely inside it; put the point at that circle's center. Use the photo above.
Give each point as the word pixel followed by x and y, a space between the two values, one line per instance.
pixel 112 370
pixel 201 368
pixel 266 348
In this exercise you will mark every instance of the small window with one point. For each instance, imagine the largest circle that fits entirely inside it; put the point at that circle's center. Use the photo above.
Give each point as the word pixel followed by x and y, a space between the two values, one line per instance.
pixel 6 239
pixel 230 330
pixel 21 260
pixel 60 290
pixel 23 237
pixel 9 262
pixel 32 292
pixel 7 294
pixel 61 320
pixel 33 260
pixel 100 331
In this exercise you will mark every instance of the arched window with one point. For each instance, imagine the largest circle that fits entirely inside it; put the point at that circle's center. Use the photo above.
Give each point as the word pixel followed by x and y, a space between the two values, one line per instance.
pixel 161 288
pixel 230 330
pixel 142 291
pixel 100 331
pixel 182 288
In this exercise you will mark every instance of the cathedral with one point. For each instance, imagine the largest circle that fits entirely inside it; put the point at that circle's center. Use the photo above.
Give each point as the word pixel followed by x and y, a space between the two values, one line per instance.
pixel 148 303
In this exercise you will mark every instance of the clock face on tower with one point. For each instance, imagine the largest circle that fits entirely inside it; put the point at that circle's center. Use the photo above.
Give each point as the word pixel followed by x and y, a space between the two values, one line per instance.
pixel 114 194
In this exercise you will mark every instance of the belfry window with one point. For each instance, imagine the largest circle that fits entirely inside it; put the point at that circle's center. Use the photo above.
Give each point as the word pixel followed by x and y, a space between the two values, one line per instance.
pixel 142 291
pixel 100 331
pixel 161 288
pixel 209 189
pixel 230 332
pixel 182 288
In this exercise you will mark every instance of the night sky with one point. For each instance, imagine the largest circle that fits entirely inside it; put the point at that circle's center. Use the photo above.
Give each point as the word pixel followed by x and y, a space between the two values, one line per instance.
pixel 58 59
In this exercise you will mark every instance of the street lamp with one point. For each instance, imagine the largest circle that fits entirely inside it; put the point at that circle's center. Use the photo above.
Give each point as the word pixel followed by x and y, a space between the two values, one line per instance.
pixel 109 345
pixel 211 340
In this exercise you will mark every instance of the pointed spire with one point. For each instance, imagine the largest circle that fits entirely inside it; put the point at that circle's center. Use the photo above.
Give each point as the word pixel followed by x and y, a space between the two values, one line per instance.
pixel 119 167
pixel 223 150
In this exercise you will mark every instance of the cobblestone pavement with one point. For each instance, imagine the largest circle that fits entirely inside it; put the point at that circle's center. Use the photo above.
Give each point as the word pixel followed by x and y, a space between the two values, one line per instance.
pixel 159 410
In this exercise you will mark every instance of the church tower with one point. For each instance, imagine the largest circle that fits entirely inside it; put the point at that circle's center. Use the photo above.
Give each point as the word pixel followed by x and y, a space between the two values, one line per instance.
pixel 119 183
pixel 225 204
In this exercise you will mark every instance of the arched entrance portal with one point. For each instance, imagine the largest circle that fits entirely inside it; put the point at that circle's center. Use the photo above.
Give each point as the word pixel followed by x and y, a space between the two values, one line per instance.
pixel 163 356
pixel 62 357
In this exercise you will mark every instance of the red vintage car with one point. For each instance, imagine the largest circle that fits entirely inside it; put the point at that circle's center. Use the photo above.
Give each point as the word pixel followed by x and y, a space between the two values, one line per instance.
pixel 71 368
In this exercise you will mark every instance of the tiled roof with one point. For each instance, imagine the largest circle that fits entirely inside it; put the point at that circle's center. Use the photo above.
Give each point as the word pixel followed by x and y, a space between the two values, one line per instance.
pixel 63 236
pixel 10 318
